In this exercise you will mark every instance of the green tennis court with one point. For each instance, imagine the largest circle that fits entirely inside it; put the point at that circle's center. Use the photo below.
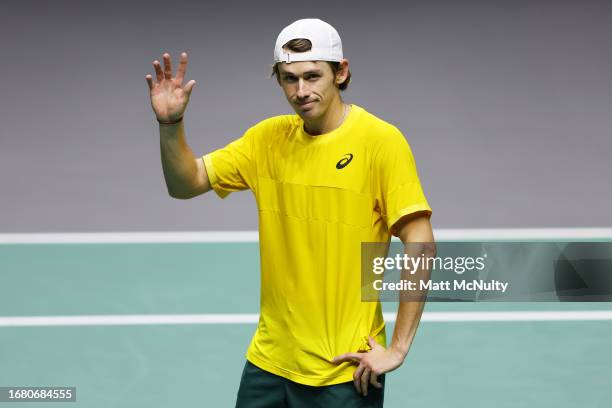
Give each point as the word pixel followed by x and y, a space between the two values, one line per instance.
pixel 167 325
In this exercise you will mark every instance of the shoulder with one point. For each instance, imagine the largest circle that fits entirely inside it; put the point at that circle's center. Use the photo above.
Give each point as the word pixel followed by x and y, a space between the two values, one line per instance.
pixel 380 133
pixel 275 125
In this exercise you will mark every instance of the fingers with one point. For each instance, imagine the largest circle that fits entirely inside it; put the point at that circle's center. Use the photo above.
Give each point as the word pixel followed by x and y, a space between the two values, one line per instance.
pixel 149 81
pixel 352 357
pixel 365 379
pixel 180 74
pixel 167 66
pixel 374 380
pixel 357 377
pixel 166 73
pixel 158 71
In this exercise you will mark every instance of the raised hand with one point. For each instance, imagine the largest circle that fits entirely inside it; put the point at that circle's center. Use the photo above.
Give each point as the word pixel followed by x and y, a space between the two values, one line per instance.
pixel 169 97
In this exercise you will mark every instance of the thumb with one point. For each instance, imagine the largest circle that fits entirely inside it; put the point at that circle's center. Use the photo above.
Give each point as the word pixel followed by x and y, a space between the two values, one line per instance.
pixel 189 86
pixel 372 342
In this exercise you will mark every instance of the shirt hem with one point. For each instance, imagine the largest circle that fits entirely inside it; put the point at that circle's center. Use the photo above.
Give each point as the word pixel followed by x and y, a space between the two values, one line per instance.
pixel 298 378
pixel 409 210
pixel 212 176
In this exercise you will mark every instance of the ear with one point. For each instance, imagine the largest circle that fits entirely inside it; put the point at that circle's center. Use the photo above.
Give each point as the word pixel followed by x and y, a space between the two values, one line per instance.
pixel 343 70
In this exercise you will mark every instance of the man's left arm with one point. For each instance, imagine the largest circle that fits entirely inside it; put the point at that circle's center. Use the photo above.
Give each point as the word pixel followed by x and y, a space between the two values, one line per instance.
pixel 416 233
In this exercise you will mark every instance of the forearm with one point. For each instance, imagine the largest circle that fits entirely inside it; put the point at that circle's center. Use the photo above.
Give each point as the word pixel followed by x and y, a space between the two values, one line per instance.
pixel 178 161
pixel 406 324
pixel 411 304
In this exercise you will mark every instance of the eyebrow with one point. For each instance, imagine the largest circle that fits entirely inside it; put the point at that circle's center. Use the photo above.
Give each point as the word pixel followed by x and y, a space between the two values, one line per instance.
pixel 313 71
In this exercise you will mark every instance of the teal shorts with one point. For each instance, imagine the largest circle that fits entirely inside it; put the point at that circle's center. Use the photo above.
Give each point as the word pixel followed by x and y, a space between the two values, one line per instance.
pixel 262 389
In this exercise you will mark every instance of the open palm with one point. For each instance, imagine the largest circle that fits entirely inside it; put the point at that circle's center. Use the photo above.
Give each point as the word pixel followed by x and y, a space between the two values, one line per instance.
pixel 169 97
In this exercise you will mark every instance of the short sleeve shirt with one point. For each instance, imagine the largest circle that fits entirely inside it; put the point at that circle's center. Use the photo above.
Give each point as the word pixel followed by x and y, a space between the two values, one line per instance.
pixel 318 198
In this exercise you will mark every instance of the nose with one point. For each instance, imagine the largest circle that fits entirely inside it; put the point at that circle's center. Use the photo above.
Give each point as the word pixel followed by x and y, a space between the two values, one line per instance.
pixel 302 90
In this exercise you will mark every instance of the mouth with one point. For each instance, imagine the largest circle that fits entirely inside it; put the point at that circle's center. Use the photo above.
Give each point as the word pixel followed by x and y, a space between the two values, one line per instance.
pixel 306 104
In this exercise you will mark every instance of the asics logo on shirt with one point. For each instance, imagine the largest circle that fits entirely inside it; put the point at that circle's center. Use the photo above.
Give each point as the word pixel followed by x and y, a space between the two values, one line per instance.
pixel 344 161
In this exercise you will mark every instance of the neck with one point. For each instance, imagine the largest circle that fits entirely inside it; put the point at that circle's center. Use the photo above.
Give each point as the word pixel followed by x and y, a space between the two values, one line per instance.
pixel 332 119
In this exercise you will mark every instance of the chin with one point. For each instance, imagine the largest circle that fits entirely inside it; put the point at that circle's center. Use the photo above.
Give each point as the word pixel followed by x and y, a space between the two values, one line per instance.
pixel 310 113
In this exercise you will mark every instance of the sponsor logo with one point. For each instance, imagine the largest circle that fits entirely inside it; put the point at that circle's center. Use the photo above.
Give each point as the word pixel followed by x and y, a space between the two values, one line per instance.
pixel 344 161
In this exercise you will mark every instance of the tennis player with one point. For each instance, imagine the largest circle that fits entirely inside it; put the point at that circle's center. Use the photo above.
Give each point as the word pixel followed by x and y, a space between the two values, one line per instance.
pixel 325 179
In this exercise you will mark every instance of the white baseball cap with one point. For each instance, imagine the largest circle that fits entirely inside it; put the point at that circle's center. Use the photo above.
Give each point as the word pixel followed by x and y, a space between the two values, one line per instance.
pixel 326 44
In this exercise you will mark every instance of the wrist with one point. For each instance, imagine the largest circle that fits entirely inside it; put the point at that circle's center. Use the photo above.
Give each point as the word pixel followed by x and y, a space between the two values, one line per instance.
pixel 175 122
pixel 399 352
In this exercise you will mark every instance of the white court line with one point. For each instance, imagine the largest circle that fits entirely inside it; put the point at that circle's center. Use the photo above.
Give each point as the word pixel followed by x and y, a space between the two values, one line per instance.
pixel 440 317
pixel 129 237
pixel 493 234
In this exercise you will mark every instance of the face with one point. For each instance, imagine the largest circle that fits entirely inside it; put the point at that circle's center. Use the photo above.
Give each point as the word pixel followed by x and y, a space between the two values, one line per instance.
pixel 310 86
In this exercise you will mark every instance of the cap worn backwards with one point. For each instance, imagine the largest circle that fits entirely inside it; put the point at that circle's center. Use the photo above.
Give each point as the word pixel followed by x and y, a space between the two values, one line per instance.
pixel 326 44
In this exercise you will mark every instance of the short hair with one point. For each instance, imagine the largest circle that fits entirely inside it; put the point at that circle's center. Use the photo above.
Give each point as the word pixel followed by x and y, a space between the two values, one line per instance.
pixel 303 45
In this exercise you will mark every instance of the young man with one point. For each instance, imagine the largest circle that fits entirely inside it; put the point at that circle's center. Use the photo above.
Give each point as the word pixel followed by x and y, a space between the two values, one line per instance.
pixel 325 180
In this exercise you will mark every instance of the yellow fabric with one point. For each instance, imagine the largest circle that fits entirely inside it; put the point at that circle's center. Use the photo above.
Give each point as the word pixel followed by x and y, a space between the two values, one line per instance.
pixel 313 217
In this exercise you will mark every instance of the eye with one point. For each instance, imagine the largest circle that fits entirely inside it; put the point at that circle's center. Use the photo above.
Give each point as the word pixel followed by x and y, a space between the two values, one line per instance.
pixel 312 77
pixel 289 78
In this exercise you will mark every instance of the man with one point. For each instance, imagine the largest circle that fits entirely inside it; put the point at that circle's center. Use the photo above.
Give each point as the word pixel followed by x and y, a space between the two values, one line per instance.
pixel 325 180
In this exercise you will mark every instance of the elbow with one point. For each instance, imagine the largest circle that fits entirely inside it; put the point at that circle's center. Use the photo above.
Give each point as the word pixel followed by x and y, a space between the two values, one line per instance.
pixel 187 190
pixel 180 194
pixel 427 249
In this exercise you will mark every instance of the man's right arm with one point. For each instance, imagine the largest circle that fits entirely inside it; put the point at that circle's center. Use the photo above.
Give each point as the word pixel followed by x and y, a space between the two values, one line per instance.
pixel 184 173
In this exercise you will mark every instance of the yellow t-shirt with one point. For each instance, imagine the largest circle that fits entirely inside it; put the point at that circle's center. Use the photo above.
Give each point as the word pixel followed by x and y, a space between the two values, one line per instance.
pixel 318 198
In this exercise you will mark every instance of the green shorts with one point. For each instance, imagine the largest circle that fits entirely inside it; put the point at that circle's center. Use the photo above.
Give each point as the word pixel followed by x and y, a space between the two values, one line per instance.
pixel 262 389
